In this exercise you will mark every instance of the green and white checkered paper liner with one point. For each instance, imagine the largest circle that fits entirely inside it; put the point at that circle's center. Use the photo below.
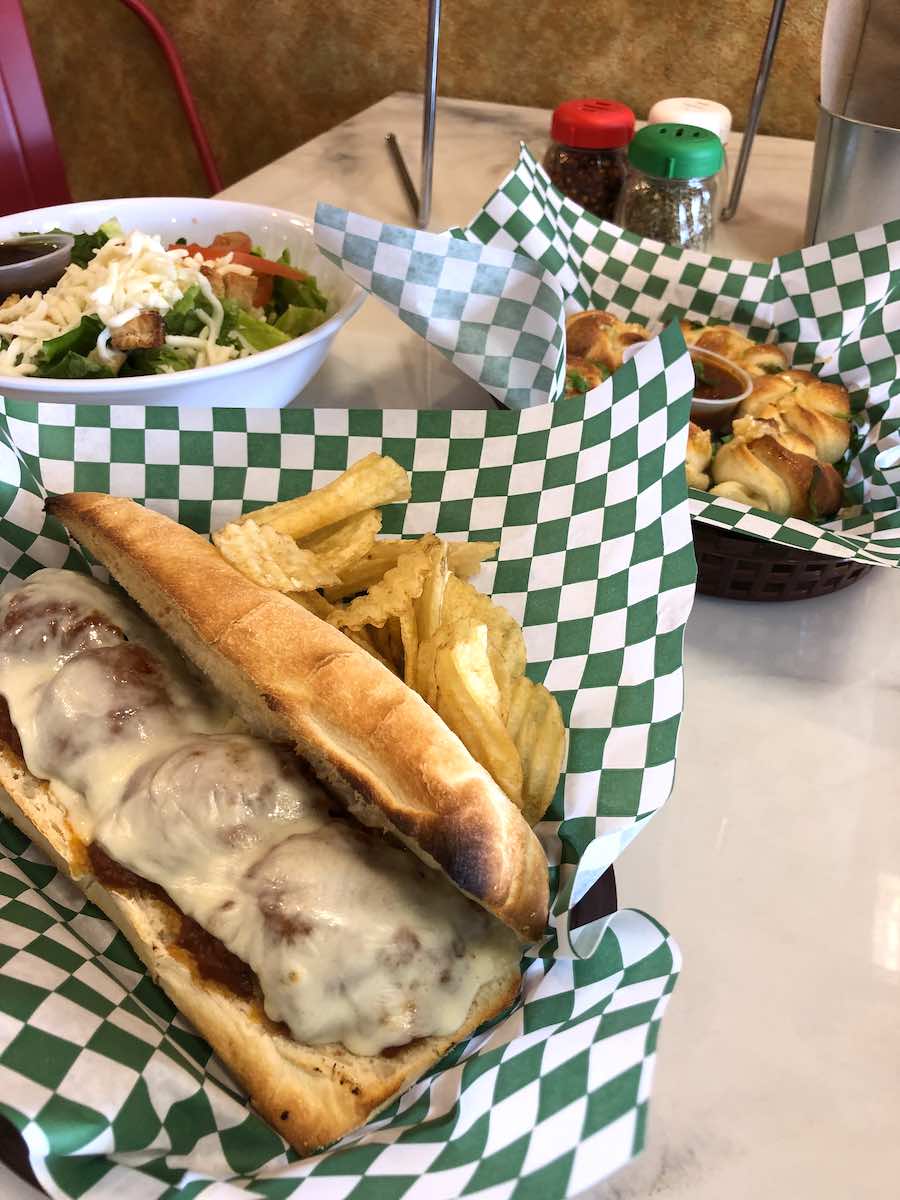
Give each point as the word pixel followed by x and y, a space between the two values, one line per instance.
pixel 493 298
pixel 113 1093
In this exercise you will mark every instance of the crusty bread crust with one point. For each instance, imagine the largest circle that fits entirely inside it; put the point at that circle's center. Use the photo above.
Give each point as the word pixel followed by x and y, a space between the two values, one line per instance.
pixel 298 680
pixel 312 1095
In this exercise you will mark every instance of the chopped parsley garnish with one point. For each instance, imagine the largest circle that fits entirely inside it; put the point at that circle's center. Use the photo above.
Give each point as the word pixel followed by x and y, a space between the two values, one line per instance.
pixel 576 382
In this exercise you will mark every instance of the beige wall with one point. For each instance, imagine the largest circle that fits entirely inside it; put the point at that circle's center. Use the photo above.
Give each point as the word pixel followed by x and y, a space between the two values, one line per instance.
pixel 270 74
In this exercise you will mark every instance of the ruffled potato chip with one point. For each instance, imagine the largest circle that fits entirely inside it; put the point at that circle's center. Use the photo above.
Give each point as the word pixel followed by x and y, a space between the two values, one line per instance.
pixel 536 726
pixel 506 642
pixel 463 559
pixel 271 559
pixel 340 545
pixel 365 640
pixel 468 699
pixel 313 602
pixel 317 604
pixel 389 596
pixel 370 482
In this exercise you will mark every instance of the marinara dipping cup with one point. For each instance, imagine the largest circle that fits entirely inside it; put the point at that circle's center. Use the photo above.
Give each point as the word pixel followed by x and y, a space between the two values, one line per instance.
pixel 719 387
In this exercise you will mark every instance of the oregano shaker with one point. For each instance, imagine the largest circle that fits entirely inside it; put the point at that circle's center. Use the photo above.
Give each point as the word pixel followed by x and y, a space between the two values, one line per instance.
pixel 671 186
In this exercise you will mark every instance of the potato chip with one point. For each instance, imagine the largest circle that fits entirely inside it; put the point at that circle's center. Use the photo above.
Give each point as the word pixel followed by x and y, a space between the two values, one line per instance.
pixel 463 559
pixel 468 699
pixel 518 707
pixel 380 638
pixel 428 610
pixel 363 639
pixel 446 635
pixel 426 683
pixel 340 545
pixel 505 638
pixel 430 603
pixel 536 726
pixel 371 567
pixel 271 559
pixel 313 603
pixel 390 595
pixel 426 657
pixel 504 680
pixel 372 481
pixel 409 638
pixel 394 642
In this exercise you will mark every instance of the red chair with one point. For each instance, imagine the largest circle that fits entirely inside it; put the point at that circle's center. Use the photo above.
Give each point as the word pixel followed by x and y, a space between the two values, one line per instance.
pixel 31 170
pixel 32 174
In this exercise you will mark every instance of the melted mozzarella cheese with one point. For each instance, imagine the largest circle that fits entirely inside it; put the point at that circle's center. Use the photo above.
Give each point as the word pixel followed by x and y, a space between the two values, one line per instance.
pixel 356 941
pixel 352 939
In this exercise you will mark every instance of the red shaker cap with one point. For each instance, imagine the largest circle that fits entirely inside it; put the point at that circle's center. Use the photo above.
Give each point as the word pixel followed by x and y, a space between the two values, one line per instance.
pixel 592 124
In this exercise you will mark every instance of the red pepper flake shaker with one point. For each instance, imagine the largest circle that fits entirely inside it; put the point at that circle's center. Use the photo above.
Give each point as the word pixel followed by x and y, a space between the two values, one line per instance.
pixel 586 158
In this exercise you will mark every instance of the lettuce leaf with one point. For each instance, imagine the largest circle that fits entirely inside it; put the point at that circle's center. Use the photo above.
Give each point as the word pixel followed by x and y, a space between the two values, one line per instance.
pixel 259 334
pixel 74 366
pixel 79 341
pixel 295 320
pixel 231 312
pixel 156 362
pixel 182 319
pixel 87 244
pixel 299 293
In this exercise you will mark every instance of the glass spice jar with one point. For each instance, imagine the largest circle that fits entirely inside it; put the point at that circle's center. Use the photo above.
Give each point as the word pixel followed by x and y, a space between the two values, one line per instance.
pixel 706 114
pixel 586 158
pixel 671 189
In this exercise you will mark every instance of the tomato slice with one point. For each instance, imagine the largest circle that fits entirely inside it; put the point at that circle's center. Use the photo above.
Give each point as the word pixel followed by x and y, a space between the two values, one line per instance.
pixel 265 266
pixel 259 266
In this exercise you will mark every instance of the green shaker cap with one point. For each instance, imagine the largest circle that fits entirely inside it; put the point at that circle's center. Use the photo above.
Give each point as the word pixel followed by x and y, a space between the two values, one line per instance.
pixel 676 151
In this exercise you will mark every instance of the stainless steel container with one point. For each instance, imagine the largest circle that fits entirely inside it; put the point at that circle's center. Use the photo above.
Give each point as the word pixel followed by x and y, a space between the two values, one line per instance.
pixel 855 178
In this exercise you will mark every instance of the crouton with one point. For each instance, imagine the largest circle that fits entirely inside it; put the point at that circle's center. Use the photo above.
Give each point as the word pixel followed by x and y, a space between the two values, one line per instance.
pixel 146 331
pixel 216 281
pixel 231 285
pixel 241 288
pixel 233 240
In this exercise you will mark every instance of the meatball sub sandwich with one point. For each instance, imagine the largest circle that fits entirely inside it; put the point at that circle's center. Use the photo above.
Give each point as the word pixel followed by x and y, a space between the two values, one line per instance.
pixel 307 859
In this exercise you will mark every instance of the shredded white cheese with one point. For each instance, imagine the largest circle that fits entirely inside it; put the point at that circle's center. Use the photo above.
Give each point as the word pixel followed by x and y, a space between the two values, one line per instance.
pixel 106 354
pixel 126 276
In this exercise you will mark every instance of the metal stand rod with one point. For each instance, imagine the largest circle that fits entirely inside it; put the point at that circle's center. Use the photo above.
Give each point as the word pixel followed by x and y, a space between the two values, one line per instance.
pixel 429 111
pixel 420 202
pixel 759 92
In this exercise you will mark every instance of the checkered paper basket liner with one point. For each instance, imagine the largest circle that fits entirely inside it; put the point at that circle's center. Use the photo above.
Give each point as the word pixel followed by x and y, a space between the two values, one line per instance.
pixel 834 308
pixel 113 1093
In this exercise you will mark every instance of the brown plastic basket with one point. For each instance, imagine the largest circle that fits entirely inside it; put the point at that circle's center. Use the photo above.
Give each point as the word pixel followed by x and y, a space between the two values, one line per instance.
pixel 736 567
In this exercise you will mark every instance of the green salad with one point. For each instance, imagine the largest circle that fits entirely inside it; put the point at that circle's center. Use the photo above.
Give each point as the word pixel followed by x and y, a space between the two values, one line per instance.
pixel 128 305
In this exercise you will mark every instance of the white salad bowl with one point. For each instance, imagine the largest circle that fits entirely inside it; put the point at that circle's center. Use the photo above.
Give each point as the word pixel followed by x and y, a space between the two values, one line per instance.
pixel 269 379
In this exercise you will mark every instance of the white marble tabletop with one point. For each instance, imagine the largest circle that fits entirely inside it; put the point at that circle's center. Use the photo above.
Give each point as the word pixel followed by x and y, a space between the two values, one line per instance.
pixel 776 863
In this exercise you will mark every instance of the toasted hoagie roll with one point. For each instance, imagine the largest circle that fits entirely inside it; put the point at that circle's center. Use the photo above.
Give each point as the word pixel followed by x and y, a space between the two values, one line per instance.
pixel 308 861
